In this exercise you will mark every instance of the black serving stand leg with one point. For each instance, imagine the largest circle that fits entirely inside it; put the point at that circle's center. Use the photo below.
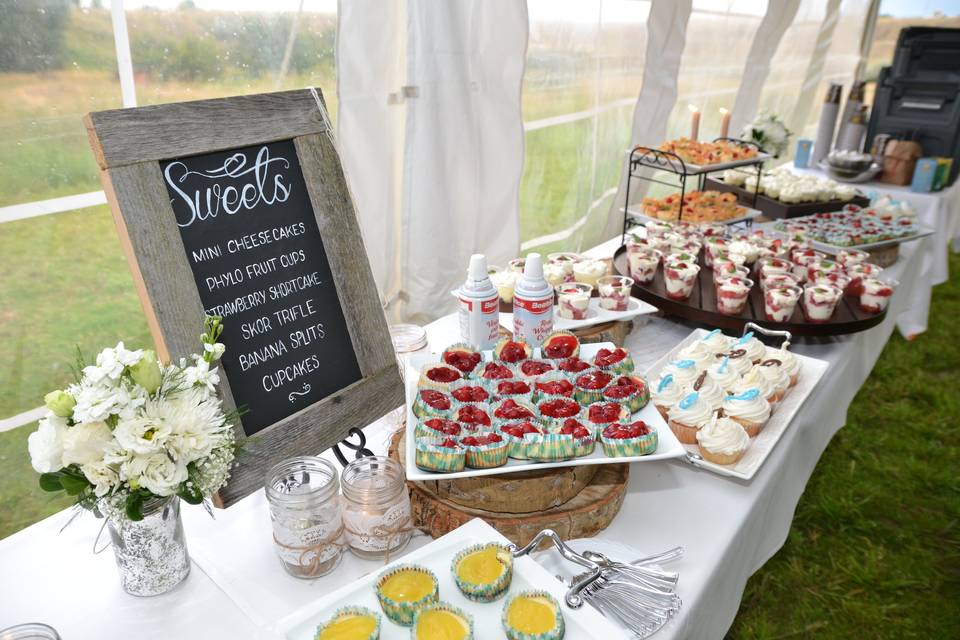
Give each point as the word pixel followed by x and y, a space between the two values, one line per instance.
pixel 360 447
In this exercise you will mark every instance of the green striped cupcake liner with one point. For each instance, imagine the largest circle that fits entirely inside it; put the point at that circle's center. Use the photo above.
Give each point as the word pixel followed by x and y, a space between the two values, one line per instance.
pixel 470 382
pixel 553 376
pixel 463 346
pixel 581 446
pixel 422 432
pixel 515 634
pixel 623 367
pixel 634 402
pixel 499 422
pixel 549 420
pixel 560 332
pixel 351 610
pixel 588 396
pixel 626 447
pixel 443 606
pixel 423 410
pixel 496 395
pixel 484 592
pixel 518 446
pixel 403 613
pixel 484 406
pixel 549 447
pixel 487 456
pixel 431 457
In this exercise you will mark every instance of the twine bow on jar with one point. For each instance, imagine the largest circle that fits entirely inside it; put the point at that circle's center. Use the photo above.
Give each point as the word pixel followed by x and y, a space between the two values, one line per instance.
pixel 311 559
pixel 387 533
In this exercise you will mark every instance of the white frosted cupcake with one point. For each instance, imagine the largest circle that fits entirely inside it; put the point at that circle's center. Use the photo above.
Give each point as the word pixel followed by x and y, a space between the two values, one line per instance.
pixel 716 342
pixel 777 377
pixel 739 360
pixel 688 416
pixel 699 352
pixel 722 440
pixel 754 379
pixel 749 408
pixel 708 389
pixel 789 362
pixel 667 393
pixel 724 374
pixel 755 349
pixel 683 371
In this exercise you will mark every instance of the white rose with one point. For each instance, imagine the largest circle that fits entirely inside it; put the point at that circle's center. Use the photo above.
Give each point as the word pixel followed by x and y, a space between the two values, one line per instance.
pixel 157 473
pixel 46 444
pixel 86 443
pixel 101 476
pixel 141 434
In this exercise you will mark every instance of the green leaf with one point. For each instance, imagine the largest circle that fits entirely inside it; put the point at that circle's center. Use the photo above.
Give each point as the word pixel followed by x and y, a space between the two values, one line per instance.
pixel 134 506
pixel 190 496
pixel 73 484
pixel 51 482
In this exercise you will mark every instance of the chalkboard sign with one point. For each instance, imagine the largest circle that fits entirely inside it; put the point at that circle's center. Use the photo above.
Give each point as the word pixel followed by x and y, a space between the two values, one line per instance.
pixel 238 207
pixel 251 239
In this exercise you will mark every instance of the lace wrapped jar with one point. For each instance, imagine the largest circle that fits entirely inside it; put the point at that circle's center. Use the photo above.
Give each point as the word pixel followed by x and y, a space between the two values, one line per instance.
pixel 151 553
pixel 303 494
pixel 376 507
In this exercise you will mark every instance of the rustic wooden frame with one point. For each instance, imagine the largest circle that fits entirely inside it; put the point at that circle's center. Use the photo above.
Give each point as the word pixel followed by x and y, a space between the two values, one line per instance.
pixel 130 143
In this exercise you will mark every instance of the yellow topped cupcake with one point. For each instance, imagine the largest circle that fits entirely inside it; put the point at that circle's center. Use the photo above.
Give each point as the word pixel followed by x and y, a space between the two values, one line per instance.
pixel 532 615
pixel 442 621
pixel 350 623
pixel 483 571
pixel 404 590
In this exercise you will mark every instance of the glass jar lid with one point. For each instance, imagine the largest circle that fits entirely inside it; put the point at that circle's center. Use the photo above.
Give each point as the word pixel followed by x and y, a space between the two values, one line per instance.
pixel 302 480
pixel 373 480
pixel 408 337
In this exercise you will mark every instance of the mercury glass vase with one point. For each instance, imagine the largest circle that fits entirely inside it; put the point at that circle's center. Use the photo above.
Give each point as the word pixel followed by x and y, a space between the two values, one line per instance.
pixel 151 553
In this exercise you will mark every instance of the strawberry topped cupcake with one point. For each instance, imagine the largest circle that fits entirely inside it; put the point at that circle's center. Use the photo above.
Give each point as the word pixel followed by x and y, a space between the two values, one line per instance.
pixel 558 409
pixel 631 391
pixel 573 365
pixel 469 391
pixel 601 413
pixel 624 439
pixel 442 456
pixel 552 385
pixel 617 360
pixel 589 385
pixel 485 450
pixel 438 376
pixel 437 428
pixel 462 357
pixel 515 434
pixel 560 345
pixel 516 389
pixel 497 371
pixel 510 410
pixel 430 402
pixel 512 351
pixel 534 368
pixel 583 436
pixel 472 414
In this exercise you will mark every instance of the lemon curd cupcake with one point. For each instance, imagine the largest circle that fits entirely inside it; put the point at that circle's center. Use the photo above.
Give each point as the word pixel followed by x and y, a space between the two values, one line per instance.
pixel 532 615
pixel 350 623
pixel 404 590
pixel 483 572
pixel 442 621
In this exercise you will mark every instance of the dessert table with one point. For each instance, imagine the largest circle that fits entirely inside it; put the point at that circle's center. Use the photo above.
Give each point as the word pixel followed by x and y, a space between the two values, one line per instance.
pixel 238 590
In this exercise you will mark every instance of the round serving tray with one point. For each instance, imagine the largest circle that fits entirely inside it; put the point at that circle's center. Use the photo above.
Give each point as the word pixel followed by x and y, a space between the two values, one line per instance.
pixel 701 307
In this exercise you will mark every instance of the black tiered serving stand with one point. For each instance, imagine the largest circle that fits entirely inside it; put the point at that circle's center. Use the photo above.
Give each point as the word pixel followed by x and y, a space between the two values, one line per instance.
pixel 669 162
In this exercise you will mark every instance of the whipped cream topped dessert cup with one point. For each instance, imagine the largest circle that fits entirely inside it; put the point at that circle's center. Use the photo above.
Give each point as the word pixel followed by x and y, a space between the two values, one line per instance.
pixel 566 260
pixel 820 301
pixel 679 278
pixel 778 280
pixel 876 294
pixel 643 265
pixel 730 271
pixel 732 295
pixel 780 302
pixel 714 245
pixel 856 273
pixel 614 292
pixel 573 300
pixel 848 257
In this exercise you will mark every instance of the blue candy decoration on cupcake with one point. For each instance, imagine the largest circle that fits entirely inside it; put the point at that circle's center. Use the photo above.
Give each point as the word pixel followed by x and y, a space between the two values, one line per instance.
pixel 689 401
pixel 749 394
pixel 665 381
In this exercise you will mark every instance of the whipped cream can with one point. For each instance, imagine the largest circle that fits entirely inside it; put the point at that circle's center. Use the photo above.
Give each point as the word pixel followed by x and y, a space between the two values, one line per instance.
pixel 478 306
pixel 532 304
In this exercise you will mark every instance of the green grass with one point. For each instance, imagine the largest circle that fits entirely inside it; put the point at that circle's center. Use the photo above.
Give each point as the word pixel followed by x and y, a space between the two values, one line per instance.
pixel 874 550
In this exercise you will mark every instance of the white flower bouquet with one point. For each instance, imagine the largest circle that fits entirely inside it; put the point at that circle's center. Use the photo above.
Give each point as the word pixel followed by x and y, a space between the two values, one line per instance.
pixel 768 131
pixel 132 429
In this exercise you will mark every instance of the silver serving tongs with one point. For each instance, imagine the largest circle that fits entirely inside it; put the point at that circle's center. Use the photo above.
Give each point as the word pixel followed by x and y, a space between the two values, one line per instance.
pixel 573 598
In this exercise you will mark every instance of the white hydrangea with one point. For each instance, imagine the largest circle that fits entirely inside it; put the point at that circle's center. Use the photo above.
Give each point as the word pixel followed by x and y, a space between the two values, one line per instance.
pixel 111 363
pixel 46 444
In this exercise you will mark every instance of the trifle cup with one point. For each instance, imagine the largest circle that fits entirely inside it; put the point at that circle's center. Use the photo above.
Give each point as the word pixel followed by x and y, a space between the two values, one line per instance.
pixel 778 280
pixel 589 271
pixel 876 294
pixel 801 260
pixel 643 265
pixel 848 257
pixel 770 266
pixel 573 300
pixel 554 274
pixel 729 270
pixel 713 245
pixel 732 294
pixel 504 281
pixel 822 266
pixel 566 260
pixel 517 265
pixel 723 258
pixel 656 228
pixel 857 273
pixel 711 229
pixel 614 292
pixel 780 301
pixel 820 301
pixel 679 278
pixel 836 278
pixel 680 256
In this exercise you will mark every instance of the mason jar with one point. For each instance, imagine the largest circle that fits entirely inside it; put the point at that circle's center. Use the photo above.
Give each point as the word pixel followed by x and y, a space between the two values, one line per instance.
pixel 303 495
pixel 376 507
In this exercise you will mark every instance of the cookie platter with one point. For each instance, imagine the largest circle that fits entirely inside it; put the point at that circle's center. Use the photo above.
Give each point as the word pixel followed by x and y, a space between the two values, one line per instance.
pixel 810 372
pixel 637 216
pixel 658 443
pixel 582 623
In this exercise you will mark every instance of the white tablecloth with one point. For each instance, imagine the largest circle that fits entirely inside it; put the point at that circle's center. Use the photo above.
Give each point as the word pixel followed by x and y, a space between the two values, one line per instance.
pixel 237 589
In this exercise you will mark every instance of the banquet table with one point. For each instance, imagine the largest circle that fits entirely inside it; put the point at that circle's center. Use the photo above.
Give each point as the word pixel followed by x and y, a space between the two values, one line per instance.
pixel 237 589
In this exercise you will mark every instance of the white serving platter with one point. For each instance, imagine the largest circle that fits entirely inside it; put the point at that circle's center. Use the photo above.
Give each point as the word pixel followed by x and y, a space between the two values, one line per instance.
pixel 595 315
pixel 640 217
pixel 667 444
pixel 584 623
pixel 835 248
pixel 695 169
pixel 811 370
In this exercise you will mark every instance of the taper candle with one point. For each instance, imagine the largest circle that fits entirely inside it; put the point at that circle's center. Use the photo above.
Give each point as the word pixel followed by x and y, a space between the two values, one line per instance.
pixel 694 122
pixel 724 122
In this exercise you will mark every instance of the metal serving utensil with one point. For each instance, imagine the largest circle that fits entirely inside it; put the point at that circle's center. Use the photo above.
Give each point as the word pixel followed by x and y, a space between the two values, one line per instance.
pixel 580 582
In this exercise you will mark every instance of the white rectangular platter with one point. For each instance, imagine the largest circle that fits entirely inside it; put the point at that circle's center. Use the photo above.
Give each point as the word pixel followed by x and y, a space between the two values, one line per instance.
pixel 695 169
pixel 595 315
pixel 667 444
pixel 811 370
pixel 581 624
pixel 640 217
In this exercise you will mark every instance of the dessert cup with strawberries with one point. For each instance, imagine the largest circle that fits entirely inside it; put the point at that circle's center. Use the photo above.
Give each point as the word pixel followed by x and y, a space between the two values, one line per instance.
pixel 643 265
pixel 614 292
pixel 779 302
pixel 628 438
pixel 875 294
pixel 820 301
pixel 573 300
pixel 680 278
pixel 732 295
